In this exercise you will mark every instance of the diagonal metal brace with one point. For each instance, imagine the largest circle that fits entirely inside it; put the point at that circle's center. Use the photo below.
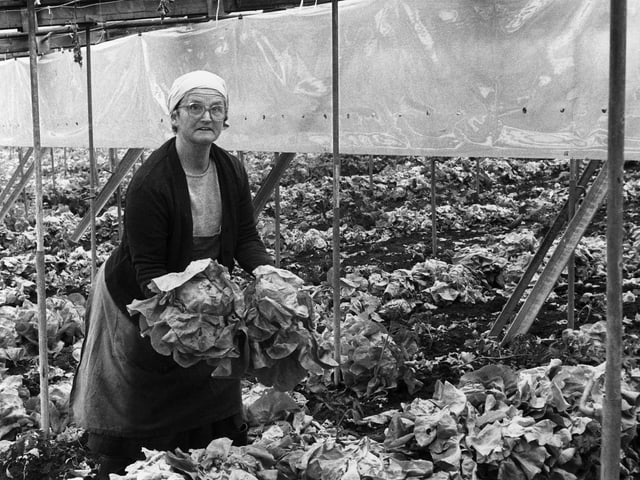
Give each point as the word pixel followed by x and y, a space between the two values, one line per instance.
pixel 266 189
pixel 15 175
pixel 109 188
pixel 26 176
pixel 568 242
pixel 535 262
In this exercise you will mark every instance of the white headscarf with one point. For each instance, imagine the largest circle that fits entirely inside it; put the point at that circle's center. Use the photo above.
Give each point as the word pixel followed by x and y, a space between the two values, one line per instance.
pixel 196 79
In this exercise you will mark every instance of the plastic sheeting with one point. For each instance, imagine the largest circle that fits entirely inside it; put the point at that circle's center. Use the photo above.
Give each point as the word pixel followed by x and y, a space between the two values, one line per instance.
pixel 520 78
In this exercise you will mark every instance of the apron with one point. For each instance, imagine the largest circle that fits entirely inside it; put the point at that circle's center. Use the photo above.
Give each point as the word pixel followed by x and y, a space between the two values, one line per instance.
pixel 124 388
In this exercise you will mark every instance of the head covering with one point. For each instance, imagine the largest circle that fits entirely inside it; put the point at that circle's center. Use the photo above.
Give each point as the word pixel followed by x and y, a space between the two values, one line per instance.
pixel 196 79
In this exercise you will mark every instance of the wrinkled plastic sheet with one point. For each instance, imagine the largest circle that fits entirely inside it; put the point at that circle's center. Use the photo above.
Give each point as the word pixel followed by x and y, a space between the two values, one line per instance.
pixel 519 78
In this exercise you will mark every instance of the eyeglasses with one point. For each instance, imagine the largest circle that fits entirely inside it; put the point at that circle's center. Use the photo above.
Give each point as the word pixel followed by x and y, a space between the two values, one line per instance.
pixel 196 110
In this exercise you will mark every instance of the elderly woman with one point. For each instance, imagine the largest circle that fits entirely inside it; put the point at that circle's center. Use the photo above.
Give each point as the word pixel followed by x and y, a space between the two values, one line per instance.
pixel 189 200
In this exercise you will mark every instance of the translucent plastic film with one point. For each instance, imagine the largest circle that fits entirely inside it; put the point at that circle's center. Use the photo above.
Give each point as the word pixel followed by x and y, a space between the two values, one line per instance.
pixel 521 78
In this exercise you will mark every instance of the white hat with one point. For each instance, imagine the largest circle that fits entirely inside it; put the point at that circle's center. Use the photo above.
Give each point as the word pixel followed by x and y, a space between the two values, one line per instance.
pixel 196 79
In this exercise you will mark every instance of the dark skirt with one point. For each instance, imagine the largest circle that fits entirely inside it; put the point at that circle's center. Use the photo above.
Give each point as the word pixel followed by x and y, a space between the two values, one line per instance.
pixel 233 428
pixel 123 389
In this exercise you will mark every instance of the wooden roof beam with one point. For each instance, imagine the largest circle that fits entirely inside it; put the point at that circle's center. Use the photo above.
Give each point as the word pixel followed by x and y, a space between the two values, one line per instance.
pixel 16 44
pixel 64 12
pixel 51 14
pixel 245 5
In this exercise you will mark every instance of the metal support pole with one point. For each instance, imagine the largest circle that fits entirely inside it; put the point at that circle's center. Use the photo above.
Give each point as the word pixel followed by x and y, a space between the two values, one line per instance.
pixel 434 227
pixel 537 259
pixel 18 176
pixel 277 242
pixel 559 258
pixel 336 187
pixel 43 367
pixel 25 198
pixel 371 173
pixel 92 159
pixel 282 162
pixel 108 190
pixel 478 177
pixel 53 171
pixel 612 403
pixel 64 157
pixel 113 159
pixel 19 188
pixel 571 265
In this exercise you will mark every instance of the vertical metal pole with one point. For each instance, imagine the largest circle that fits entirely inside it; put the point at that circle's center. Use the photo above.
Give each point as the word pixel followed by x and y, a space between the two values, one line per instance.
pixel 64 152
pixel 371 172
pixel 478 177
pixel 612 404
pixel 92 159
pixel 40 265
pixel 277 245
pixel 25 198
pixel 113 158
pixel 571 264
pixel 336 186
pixel 276 212
pixel 53 171
pixel 434 227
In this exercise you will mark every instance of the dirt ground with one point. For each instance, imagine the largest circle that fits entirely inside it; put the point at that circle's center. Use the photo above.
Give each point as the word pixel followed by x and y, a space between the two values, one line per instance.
pixel 457 327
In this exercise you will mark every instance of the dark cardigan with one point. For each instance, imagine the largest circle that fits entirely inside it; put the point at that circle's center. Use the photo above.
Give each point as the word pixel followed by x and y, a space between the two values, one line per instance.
pixel 158 227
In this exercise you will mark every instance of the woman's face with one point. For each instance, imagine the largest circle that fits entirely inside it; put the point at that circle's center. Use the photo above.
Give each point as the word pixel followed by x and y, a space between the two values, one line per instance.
pixel 198 125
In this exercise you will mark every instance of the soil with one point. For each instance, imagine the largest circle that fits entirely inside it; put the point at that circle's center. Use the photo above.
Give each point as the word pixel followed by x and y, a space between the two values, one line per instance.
pixel 463 323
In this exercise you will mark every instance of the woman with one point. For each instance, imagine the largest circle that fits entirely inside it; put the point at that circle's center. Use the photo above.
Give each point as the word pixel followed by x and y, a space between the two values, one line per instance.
pixel 189 200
